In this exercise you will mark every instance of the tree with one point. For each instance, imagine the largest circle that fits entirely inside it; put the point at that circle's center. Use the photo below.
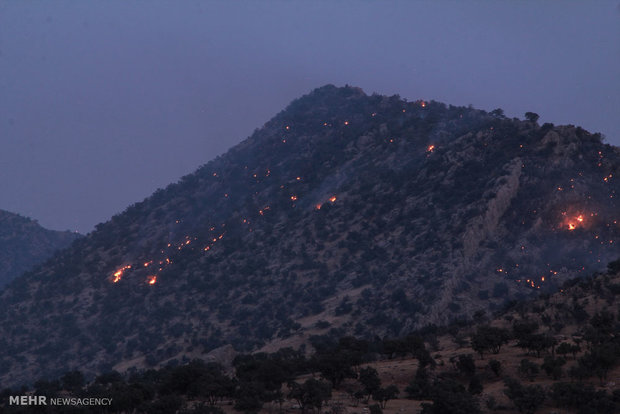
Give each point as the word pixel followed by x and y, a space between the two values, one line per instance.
pixel 537 343
pixel 498 113
pixel 369 378
pixel 383 395
pixel 488 338
pixel 72 381
pixel 334 366
pixel 553 366
pixel 565 348
pixel 600 359
pixel 584 398
pixel 531 116
pixel 311 394
pixel 526 399
pixel 375 409
pixel 449 396
pixel 466 365
pixel 496 367
pixel 475 386
pixel 528 369
pixel 420 387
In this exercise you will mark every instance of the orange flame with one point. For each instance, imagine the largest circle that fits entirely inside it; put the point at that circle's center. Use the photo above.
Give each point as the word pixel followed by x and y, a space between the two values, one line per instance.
pixel 119 273
pixel 572 222
pixel 430 148
pixel 332 199
pixel 152 279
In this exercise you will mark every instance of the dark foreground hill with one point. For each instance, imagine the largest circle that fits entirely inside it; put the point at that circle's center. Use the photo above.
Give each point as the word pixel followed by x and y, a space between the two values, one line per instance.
pixel 370 214
pixel 24 243
pixel 556 352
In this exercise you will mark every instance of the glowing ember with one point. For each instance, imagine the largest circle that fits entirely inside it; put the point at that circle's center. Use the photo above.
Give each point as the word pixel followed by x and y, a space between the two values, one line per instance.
pixel 346 122
pixel 293 198
pixel 574 221
pixel 332 199
pixel 430 148
pixel 318 206
pixel 423 104
pixel 119 273
pixel 152 280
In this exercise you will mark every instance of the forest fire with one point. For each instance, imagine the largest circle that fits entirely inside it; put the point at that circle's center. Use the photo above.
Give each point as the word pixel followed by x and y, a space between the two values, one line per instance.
pixel 152 279
pixel 430 148
pixel 573 222
pixel 332 200
pixel 119 273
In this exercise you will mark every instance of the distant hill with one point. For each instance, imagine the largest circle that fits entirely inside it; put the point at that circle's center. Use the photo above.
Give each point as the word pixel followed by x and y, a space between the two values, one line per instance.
pixel 370 214
pixel 24 243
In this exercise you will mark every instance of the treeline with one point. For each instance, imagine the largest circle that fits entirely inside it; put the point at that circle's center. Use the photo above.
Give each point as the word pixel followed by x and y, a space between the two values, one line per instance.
pixel 345 364
pixel 257 379
pixel 454 390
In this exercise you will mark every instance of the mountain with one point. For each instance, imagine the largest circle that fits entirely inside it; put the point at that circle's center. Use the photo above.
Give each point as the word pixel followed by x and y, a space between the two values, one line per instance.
pixel 367 214
pixel 24 243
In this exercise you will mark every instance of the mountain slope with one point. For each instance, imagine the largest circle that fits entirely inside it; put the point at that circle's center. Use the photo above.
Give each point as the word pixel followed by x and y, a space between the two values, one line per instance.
pixel 23 244
pixel 370 212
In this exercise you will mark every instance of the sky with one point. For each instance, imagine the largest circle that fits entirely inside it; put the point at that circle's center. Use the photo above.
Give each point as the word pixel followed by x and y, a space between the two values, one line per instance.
pixel 103 102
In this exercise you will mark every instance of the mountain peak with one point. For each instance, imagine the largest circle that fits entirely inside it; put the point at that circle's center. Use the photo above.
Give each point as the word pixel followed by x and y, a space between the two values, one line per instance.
pixel 346 213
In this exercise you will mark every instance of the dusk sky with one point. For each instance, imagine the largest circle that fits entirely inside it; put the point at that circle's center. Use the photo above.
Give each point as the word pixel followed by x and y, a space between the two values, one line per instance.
pixel 103 102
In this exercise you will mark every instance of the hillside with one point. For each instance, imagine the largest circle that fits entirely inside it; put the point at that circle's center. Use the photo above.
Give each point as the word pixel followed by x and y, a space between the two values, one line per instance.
pixel 375 215
pixel 24 243
pixel 559 351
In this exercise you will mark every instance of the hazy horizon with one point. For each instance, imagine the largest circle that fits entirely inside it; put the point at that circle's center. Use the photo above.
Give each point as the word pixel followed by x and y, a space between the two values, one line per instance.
pixel 101 103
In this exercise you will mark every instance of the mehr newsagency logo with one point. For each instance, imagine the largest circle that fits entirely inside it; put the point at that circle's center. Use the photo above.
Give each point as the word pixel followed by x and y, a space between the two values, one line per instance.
pixel 43 400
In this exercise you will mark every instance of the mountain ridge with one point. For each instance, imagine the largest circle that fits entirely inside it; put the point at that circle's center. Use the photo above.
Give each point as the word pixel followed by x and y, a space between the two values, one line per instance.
pixel 24 243
pixel 427 212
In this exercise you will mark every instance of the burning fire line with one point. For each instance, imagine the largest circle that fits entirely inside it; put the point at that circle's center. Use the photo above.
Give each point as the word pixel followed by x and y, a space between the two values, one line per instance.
pixel 152 279
pixel 119 273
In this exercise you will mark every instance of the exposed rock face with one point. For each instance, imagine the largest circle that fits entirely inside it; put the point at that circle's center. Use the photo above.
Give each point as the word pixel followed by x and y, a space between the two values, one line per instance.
pixel 370 213
pixel 481 227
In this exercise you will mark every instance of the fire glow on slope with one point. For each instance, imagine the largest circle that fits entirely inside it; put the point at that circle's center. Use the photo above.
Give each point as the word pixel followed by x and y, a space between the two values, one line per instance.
pixel 575 220
pixel 116 277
